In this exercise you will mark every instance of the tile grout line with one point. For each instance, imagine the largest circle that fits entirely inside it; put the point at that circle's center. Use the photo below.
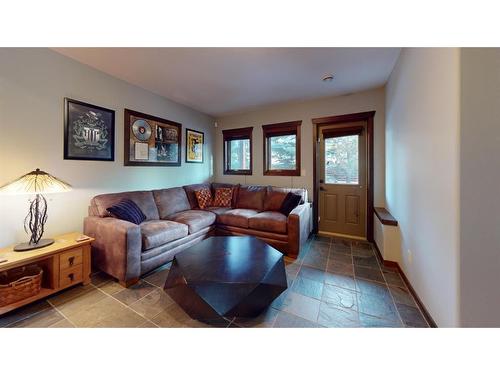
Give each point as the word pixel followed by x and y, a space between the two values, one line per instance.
pixel 349 290
pixel 323 289
pixel 127 306
pixel 412 297
pixel 275 318
pixel 24 318
pixel 386 285
pixel 394 302
pixel 291 313
pixel 407 290
pixel 62 314
pixel 356 288
pixel 415 302
pixel 287 312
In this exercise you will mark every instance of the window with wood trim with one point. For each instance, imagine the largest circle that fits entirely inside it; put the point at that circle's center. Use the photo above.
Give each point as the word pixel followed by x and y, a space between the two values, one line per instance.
pixel 282 149
pixel 238 151
pixel 342 155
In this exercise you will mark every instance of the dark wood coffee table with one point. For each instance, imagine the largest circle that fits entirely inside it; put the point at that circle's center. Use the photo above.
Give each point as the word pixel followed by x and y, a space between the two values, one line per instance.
pixel 226 277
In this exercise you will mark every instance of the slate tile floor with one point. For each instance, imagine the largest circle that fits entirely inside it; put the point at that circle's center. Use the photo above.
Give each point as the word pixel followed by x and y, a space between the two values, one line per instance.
pixel 333 283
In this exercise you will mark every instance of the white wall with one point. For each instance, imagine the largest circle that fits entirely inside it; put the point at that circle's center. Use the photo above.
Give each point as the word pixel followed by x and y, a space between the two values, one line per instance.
pixel 480 181
pixel 422 173
pixel 372 100
pixel 33 83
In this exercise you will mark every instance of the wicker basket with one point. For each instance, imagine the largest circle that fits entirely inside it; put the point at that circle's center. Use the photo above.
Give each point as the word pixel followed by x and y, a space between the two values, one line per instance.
pixel 20 283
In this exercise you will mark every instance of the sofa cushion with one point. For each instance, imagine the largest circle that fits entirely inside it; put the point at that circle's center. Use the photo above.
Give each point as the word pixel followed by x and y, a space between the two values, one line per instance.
pixel 159 232
pixel 194 219
pixel 143 199
pixel 276 195
pixel 237 217
pixel 235 187
pixel 190 189
pixel 268 221
pixel 251 197
pixel 218 210
pixel 171 201
pixel 204 198
pixel 127 210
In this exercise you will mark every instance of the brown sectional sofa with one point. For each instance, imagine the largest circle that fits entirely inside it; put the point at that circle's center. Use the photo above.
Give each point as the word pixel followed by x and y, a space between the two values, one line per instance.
pixel 174 222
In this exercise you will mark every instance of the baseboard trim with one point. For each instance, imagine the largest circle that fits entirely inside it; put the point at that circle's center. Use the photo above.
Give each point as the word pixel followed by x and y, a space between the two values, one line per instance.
pixel 391 264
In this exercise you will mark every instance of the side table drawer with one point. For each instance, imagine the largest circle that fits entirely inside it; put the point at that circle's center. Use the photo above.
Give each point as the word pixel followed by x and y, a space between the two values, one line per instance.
pixel 70 258
pixel 70 276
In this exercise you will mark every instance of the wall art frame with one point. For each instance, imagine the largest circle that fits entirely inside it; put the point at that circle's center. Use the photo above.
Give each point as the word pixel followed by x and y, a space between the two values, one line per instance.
pixel 151 141
pixel 195 144
pixel 89 131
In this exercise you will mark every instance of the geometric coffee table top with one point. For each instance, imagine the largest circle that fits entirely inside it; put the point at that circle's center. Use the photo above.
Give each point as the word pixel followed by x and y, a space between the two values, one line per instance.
pixel 226 276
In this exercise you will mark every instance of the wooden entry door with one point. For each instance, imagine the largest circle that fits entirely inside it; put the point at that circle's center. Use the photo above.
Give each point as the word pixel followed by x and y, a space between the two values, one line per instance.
pixel 343 179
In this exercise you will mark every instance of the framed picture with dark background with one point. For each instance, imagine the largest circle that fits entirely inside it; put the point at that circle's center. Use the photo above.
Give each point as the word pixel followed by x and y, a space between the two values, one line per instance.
pixel 194 146
pixel 89 131
pixel 151 140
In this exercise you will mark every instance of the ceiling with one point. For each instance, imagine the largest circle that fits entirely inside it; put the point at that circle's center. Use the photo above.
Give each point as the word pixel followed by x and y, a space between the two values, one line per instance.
pixel 220 81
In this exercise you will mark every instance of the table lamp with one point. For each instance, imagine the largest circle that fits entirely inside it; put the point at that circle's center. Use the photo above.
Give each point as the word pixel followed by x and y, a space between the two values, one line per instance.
pixel 36 182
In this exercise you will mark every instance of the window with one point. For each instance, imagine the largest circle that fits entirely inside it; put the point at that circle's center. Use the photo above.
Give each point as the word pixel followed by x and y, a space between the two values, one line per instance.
pixel 282 149
pixel 238 151
pixel 342 160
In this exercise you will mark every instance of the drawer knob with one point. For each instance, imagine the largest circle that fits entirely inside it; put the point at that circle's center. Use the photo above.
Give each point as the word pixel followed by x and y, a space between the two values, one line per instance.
pixel 71 276
pixel 71 260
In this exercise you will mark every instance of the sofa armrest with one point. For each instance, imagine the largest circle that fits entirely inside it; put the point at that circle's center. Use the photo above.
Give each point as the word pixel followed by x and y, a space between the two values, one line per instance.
pixel 117 246
pixel 299 227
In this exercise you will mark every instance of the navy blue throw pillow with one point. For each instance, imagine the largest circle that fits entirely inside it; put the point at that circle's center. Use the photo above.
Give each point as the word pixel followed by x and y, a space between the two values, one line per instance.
pixel 127 210
pixel 289 203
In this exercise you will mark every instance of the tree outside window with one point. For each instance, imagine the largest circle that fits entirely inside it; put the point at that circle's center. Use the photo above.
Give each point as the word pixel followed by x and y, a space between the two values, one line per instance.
pixel 282 149
pixel 341 160
pixel 238 151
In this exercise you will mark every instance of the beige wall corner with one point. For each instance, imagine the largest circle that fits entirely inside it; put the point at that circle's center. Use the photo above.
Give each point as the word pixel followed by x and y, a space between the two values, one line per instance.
pixel 422 173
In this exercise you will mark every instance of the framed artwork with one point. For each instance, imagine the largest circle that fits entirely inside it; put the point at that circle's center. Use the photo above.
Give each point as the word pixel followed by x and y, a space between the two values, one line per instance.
pixel 194 146
pixel 151 140
pixel 89 131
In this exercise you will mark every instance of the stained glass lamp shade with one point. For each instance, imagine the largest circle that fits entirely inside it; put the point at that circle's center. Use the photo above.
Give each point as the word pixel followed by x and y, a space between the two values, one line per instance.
pixel 36 182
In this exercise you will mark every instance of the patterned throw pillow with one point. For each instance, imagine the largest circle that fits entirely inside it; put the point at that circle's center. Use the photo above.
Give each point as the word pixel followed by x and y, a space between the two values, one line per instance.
pixel 223 197
pixel 204 198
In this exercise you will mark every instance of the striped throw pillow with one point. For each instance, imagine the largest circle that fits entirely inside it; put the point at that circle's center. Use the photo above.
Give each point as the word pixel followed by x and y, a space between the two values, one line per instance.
pixel 127 210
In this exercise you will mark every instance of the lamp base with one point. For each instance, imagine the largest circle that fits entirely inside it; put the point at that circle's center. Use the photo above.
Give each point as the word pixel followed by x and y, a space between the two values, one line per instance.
pixel 26 246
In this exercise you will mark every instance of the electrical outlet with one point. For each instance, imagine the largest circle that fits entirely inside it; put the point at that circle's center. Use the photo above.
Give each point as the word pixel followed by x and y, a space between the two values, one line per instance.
pixel 409 256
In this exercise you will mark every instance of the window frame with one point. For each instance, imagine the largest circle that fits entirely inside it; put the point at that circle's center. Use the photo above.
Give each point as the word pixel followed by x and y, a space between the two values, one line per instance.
pixel 235 135
pixel 273 130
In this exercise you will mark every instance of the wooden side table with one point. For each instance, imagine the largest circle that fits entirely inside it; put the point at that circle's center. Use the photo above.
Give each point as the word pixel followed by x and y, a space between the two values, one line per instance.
pixel 65 263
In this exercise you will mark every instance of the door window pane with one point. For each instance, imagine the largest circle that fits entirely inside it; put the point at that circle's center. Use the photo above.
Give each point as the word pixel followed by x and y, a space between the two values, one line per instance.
pixel 342 160
pixel 283 150
pixel 239 152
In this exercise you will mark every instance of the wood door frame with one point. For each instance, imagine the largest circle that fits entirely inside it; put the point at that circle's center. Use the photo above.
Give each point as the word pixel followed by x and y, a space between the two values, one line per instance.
pixel 320 122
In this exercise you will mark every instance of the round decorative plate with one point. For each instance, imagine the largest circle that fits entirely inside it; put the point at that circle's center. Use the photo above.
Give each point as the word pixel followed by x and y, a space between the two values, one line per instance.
pixel 141 130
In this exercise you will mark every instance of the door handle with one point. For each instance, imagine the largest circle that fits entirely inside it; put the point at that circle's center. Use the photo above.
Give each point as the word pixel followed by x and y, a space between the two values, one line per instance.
pixel 321 188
